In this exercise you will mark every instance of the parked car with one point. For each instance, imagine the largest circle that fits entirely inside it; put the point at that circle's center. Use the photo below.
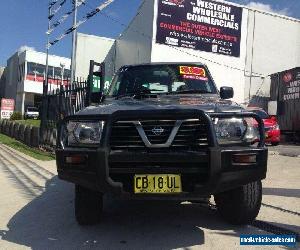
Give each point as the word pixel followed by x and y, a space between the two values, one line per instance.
pixel 272 130
pixel 31 113
pixel 164 131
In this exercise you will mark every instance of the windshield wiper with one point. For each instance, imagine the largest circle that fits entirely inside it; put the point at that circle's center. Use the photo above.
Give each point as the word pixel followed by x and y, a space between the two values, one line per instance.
pixel 137 95
pixel 190 91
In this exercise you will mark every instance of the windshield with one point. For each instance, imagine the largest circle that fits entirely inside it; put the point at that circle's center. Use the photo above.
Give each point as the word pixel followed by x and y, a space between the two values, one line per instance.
pixel 161 79
pixel 32 109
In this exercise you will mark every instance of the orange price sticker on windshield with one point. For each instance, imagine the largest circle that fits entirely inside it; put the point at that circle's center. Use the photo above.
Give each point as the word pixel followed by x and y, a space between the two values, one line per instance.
pixel 196 71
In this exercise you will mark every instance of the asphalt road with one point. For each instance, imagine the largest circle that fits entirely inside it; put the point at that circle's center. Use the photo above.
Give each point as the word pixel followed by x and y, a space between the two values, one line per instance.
pixel 36 211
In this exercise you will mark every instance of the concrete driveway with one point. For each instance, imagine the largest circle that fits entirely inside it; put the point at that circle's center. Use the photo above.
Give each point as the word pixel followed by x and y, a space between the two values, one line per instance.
pixel 36 212
pixel 291 150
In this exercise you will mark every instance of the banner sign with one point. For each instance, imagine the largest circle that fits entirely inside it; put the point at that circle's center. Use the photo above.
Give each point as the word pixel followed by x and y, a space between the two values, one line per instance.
pixel 290 86
pixel 208 25
pixel 7 108
pixel 97 81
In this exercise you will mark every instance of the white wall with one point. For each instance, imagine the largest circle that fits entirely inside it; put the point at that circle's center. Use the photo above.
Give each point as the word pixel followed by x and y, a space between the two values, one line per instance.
pixel 33 87
pixel 274 46
pixel 39 57
pixel 269 44
pixel 88 48
pixel 134 45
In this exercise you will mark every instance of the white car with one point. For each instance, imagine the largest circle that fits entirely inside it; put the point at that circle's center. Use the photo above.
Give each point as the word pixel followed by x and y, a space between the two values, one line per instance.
pixel 31 113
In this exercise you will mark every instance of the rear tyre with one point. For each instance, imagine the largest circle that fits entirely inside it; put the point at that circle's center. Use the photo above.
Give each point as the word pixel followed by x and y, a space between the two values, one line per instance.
pixel 274 143
pixel 241 205
pixel 88 206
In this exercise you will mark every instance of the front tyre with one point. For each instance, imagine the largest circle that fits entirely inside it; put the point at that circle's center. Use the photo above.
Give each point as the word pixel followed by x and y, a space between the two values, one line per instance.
pixel 241 205
pixel 88 206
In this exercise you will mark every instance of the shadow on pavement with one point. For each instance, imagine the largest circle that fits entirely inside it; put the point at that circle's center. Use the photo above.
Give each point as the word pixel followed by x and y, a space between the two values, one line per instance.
pixel 48 222
pixel 282 192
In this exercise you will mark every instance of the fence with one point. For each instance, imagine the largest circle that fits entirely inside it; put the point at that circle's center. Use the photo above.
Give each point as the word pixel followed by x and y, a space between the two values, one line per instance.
pixel 58 103
pixel 66 99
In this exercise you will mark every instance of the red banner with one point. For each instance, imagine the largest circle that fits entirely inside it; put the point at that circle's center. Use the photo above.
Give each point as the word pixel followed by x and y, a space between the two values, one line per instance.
pixel 7 104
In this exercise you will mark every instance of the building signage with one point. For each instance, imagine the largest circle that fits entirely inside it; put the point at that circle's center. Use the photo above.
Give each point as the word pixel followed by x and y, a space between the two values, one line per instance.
pixel 7 108
pixel 291 85
pixel 209 26
pixel 97 82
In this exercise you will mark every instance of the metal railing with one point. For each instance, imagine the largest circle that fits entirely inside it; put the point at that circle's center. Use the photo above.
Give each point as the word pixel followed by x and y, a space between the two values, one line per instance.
pixel 61 101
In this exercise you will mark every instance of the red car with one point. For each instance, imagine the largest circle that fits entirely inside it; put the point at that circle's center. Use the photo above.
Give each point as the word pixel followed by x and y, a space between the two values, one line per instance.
pixel 272 129
pixel 271 126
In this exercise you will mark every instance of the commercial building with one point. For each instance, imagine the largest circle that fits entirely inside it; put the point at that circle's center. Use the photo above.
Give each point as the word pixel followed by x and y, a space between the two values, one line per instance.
pixel 2 81
pixel 25 73
pixel 242 46
pixel 90 47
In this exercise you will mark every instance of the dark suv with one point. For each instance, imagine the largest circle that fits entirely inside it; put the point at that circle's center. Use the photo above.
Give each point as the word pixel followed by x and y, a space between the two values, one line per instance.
pixel 164 131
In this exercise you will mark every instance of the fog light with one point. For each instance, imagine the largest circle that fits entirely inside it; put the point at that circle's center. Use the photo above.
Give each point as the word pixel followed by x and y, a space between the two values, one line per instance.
pixel 76 159
pixel 244 158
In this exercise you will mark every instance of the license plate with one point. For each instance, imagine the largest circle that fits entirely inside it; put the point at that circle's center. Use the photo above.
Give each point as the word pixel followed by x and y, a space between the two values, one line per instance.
pixel 157 183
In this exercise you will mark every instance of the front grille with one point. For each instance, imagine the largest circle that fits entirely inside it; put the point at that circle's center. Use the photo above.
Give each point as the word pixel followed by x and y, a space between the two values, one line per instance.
pixel 125 135
pixel 166 125
pixel 191 135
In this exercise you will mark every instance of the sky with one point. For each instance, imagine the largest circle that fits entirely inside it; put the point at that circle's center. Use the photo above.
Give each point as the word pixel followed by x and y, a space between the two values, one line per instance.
pixel 23 23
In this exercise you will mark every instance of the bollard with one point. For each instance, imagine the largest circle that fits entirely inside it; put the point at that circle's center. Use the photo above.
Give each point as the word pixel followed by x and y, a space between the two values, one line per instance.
pixel 27 135
pixel 1 125
pixel 11 129
pixel 6 128
pixel 21 132
pixel 15 130
pixel 35 137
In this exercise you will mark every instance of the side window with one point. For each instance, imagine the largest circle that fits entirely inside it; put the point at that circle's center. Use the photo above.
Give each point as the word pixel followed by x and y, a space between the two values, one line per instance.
pixel 114 86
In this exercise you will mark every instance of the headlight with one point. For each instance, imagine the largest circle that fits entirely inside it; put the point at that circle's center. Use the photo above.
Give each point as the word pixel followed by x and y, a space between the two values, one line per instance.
pixel 236 130
pixel 84 133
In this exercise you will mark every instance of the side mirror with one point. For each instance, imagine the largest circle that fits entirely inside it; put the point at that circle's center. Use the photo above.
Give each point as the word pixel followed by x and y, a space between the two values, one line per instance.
pixel 226 92
pixel 97 97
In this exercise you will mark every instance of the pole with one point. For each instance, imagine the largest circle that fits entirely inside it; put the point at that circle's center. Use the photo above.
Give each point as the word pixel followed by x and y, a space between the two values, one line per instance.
pixel 45 84
pixel 62 65
pixel 74 43
pixel 47 56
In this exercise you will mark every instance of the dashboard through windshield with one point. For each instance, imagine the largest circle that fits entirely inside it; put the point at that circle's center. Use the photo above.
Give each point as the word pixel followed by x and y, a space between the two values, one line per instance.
pixel 162 79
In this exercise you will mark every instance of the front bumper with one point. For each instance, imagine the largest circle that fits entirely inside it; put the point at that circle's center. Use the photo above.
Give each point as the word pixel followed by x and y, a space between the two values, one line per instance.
pixel 215 170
